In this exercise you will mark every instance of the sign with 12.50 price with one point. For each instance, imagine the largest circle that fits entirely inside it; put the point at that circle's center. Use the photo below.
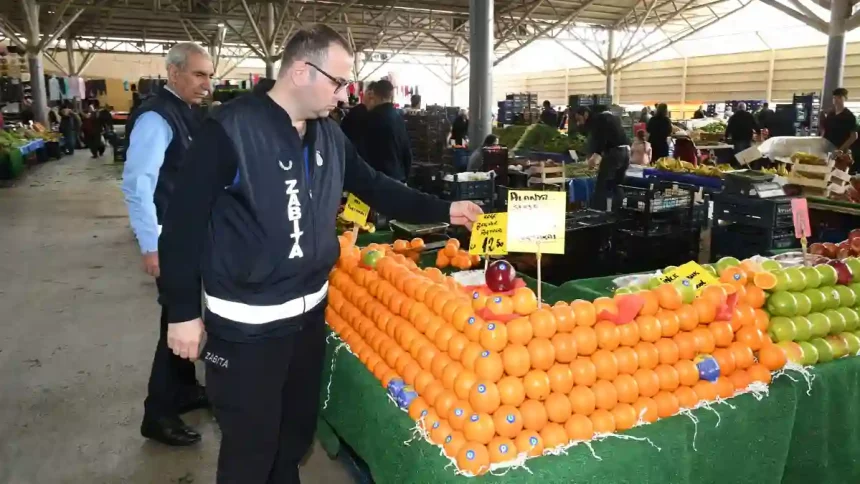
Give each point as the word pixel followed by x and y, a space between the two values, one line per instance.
pixel 355 210
pixel 490 235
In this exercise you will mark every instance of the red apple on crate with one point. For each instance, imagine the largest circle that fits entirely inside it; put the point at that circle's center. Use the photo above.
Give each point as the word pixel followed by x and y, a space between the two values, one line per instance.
pixel 854 234
pixel 500 276
pixel 830 249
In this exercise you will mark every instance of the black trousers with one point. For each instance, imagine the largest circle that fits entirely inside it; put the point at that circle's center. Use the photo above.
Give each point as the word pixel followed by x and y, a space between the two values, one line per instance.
pixel 265 396
pixel 94 143
pixel 610 175
pixel 659 149
pixel 171 377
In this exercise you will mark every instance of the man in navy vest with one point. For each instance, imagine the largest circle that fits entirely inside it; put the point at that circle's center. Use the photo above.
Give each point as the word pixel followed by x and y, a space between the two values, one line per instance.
pixel 160 131
pixel 253 215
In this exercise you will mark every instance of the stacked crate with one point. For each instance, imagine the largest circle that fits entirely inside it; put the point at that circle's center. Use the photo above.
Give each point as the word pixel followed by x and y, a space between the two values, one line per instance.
pixel 746 226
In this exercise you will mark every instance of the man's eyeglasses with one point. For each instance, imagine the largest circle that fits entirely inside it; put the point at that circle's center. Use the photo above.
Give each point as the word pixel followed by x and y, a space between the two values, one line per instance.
pixel 339 82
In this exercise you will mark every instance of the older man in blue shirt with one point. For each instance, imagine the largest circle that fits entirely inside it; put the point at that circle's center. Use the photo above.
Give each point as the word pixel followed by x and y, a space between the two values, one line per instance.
pixel 160 131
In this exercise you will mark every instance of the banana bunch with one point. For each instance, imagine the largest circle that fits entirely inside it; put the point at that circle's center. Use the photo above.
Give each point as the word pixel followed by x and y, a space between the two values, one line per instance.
pixel 708 170
pixel 779 170
pixel 807 159
pixel 674 165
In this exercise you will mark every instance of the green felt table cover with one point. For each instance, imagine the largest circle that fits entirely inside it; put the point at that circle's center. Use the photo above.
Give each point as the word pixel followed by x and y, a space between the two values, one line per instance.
pixel 787 437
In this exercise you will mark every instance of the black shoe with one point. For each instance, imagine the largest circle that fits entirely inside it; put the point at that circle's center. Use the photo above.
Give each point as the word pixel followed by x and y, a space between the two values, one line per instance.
pixel 169 431
pixel 193 399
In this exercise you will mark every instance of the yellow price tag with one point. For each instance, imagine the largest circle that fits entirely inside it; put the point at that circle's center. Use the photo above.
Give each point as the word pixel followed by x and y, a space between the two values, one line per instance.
pixel 490 235
pixel 536 221
pixel 355 210
pixel 698 276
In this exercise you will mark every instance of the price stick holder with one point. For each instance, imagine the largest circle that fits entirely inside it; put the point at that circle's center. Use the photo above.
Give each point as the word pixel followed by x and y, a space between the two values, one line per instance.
pixel 802 229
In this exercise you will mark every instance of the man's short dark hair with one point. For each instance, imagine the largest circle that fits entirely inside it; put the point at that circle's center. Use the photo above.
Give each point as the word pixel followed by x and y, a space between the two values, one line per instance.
pixel 583 110
pixel 547 104
pixel 415 101
pixel 764 106
pixel 312 44
pixel 840 91
pixel 383 89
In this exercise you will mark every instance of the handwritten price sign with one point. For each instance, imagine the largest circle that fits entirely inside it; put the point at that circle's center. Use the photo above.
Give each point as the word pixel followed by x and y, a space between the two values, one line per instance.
pixel 355 210
pixel 698 276
pixel 800 212
pixel 490 235
pixel 536 221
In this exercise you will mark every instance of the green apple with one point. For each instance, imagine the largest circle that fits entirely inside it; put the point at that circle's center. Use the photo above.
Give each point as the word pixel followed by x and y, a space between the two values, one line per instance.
pixel 825 351
pixel 654 283
pixel 820 325
pixel 817 298
pixel 854 264
pixel 803 328
pixel 847 298
pixel 782 303
pixel 624 290
pixel 796 278
pixel 710 268
pixel 852 319
pixel 669 269
pixel 839 345
pixel 804 304
pixel 783 282
pixel 828 274
pixel 792 351
pixel 852 341
pixel 725 263
pixel 837 321
pixel 831 297
pixel 813 278
pixel 810 353
pixel 782 329
pixel 771 265
pixel 371 258
pixel 688 292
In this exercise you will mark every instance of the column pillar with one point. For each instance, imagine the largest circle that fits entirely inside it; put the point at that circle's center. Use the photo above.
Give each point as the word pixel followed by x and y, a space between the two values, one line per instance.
pixel 453 78
pixel 270 36
pixel 480 70
pixel 73 68
pixel 610 64
pixel 835 65
pixel 38 90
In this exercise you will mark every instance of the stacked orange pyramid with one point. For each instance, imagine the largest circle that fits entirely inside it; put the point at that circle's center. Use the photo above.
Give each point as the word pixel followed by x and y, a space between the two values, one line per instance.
pixel 489 390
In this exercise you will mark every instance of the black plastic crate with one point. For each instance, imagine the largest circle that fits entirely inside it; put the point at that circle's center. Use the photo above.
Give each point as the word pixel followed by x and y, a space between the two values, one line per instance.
pixel 658 197
pixel 744 241
pixel 757 212
pixel 425 177
pixel 457 189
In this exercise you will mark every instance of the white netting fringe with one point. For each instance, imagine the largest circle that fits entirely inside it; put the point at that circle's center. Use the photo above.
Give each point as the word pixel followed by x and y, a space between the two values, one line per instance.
pixel 804 371
pixel 333 337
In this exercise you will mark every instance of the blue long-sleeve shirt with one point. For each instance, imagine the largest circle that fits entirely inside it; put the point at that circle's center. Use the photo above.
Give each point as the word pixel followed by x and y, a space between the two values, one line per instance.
pixel 149 140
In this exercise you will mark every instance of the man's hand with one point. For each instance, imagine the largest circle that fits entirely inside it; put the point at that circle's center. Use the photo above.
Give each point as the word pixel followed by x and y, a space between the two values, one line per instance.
pixel 594 160
pixel 150 264
pixel 184 338
pixel 465 213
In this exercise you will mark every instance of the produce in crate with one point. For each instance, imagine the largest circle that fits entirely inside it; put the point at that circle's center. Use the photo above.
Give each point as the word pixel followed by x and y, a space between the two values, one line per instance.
pixel 453 256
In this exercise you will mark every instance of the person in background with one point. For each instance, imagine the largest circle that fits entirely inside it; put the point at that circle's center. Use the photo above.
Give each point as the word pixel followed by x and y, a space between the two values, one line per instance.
pixel 387 144
pixel 645 115
pixel 659 129
pixel 27 115
pixel 69 128
pixel 740 128
pixel 840 124
pixel 354 124
pixel 765 117
pixel 160 132
pixel 640 151
pixel 460 128
pixel 252 225
pixel 54 115
pixel 549 116
pixel 135 98
pixel 476 159
pixel 91 130
pixel 700 113
pixel 338 113
pixel 414 105
pixel 609 148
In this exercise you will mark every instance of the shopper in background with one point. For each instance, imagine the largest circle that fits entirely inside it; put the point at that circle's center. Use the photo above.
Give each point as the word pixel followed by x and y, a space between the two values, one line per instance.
pixel 608 147
pixel 840 125
pixel 337 114
pixel 27 115
pixel 659 129
pixel 354 124
pixel 700 113
pixel 476 159
pixel 69 127
pixel 640 151
pixel 91 131
pixel 387 146
pixel 549 116
pixel 253 225
pixel 160 132
pixel 460 128
pixel 741 128
pixel 765 117
pixel 414 105
pixel 644 115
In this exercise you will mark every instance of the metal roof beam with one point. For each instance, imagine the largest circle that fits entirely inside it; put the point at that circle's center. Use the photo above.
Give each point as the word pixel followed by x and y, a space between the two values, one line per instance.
pixel 816 23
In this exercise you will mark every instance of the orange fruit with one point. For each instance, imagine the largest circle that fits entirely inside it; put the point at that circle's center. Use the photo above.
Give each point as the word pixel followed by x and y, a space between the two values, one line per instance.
pixel 668 351
pixel 470 354
pixel 560 378
pixel 649 328
pixel 463 384
pixel 751 337
pixel 743 355
pixel 534 415
pixel 725 387
pixel 705 342
pixel 586 340
pixel 726 359
pixel 474 325
pixel 745 314
pixel 652 304
pixel 524 301
pixel 565 318
pixel 755 296
pixel 686 396
pixel 432 391
pixel 511 390
pixel 479 428
pixel 602 304
pixel 705 310
pixel 456 345
pixel 668 376
pixel 759 372
pixel 688 372
pixel 473 458
pixel 602 421
pixel 579 427
pixel 483 397
pixel 520 331
pixel 627 359
pixel 489 366
pixel 667 404
pixel 625 416
pixel 626 388
pixel 722 332
pixel 706 391
pixel 582 400
pixel 628 334
pixel 762 320
pixel 439 365
pixel 772 357
pixel 516 360
pixel 668 296
pixel 648 381
pixel 605 364
pixel 558 407
pixel 479 300
pixel 541 353
pixel 450 372
pixel 461 316
pixel 584 371
pixel 537 385
pixel 444 401
pixel 686 343
pixel 508 421
pixel 443 336
pixel 765 280
pixel 648 355
pixel 714 294
pixel 605 394
pixel 494 336
pixel 458 414
pixel 529 442
pixel 418 408
pixel 688 319
pixel 430 418
pixel 553 435
pixel 584 312
pixel 543 323
pixel 608 336
pixel 734 275
pixel 501 450
pixel 500 305
pixel 647 409
pixel 564 345
pixel 740 379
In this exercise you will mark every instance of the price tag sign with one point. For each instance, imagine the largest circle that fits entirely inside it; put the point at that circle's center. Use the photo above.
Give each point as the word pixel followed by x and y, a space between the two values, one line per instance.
pixel 536 221
pixel 490 235
pixel 355 210
pixel 698 276
pixel 800 214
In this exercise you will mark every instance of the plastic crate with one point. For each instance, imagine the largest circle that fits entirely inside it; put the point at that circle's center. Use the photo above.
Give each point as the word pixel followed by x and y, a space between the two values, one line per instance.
pixel 658 197
pixel 744 241
pixel 756 212
pixel 460 158
pixel 457 189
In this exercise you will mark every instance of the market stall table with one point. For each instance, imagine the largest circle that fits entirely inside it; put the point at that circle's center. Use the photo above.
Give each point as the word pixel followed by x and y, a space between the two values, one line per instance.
pixel 793 435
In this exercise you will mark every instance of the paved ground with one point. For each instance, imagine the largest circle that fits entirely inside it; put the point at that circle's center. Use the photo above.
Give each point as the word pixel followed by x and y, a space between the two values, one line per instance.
pixel 78 325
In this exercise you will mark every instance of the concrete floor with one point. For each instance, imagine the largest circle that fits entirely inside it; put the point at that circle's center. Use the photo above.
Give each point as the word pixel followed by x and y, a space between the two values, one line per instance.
pixel 78 325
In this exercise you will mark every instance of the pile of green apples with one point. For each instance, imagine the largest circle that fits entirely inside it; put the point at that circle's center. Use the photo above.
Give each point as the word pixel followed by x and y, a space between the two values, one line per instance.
pixel 814 317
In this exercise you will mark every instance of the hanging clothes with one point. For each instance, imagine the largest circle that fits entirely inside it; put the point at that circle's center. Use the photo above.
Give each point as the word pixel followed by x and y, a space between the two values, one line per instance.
pixel 53 89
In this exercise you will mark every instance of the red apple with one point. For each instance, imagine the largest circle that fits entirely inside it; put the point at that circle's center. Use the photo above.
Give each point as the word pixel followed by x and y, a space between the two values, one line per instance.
pixel 855 245
pixel 817 249
pixel 843 272
pixel 854 234
pixel 830 249
pixel 500 276
pixel 843 254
